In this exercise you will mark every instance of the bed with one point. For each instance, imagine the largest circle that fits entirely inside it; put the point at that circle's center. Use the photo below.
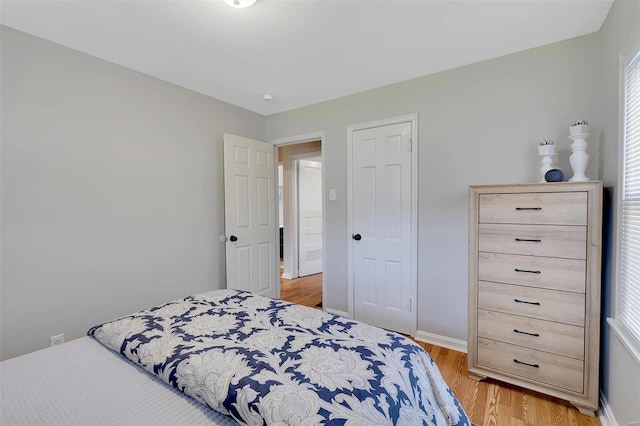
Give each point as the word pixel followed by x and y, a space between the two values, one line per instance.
pixel 228 357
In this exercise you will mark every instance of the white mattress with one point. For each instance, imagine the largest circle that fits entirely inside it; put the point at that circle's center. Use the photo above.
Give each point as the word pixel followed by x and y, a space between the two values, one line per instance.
pixel 83 383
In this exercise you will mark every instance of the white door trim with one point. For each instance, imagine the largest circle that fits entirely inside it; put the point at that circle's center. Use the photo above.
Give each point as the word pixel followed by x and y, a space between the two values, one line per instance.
pixel 409 118
pixel 308 137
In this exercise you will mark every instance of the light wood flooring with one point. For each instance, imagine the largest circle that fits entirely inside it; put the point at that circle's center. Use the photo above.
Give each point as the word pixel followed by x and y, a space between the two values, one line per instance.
pixel 488 402
pixel 305 291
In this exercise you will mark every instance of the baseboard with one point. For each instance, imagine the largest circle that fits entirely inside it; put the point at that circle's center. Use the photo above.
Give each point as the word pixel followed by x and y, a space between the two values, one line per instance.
pixel 605 413
pixel 286 276
pixel 337 312
pixel 444 341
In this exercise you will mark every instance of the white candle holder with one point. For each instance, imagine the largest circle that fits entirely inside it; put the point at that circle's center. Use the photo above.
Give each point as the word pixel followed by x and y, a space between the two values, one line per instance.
pixel 579 157
pixel 547 164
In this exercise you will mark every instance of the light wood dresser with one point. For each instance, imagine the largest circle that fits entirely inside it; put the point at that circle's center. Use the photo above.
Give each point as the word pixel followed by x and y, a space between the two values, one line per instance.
pixel 534 287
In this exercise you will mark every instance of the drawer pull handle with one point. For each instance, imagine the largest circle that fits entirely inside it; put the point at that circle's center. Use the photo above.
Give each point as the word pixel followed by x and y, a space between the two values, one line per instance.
pixel 528 303
pixel 528 208
pixel 529 240
pixel 527 271
pixel 526 363
pixel 528 334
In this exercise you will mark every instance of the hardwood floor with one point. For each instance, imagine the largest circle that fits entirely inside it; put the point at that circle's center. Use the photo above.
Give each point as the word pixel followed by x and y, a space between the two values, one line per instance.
pixel 488 402
pixel 305 291
pixel 495 403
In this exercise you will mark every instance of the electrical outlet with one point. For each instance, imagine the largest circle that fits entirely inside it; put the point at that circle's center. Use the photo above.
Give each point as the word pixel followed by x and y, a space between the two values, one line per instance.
pixel 56 340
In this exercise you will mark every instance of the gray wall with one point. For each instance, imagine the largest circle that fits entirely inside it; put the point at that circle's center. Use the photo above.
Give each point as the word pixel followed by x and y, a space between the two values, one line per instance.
pixel 478 124
pixel 620 35
pixel 112 191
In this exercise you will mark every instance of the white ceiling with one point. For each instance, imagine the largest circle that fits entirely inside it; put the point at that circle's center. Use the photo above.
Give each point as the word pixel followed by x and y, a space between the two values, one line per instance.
pixel 300 51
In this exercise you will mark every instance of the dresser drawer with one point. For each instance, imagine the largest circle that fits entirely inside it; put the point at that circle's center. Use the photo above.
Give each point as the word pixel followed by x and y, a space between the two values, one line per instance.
pixel 543 272
pixel 554 370
pixel 547 208
pixel 550 305
pixel 535 240
pixel 546 336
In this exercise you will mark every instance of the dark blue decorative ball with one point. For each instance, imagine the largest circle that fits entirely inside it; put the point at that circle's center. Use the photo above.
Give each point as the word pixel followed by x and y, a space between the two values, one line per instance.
pixel 554 175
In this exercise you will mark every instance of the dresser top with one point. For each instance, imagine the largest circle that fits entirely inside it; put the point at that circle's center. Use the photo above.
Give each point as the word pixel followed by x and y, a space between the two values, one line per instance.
pixel 595 185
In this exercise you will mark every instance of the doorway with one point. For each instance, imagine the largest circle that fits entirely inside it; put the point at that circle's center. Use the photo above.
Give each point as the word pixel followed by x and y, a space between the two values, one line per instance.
pixel 302 218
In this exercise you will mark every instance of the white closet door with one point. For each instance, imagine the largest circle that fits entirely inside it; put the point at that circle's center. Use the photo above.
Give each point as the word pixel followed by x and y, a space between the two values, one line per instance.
pixel 381 224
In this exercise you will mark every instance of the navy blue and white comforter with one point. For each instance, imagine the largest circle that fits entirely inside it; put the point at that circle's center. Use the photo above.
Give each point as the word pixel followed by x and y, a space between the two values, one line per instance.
pixel 264 361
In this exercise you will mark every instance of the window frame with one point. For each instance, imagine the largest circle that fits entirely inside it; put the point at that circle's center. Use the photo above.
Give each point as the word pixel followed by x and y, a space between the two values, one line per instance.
pixel 626 337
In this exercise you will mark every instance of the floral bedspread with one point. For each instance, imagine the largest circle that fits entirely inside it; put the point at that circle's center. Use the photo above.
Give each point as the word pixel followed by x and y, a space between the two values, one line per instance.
pixel 265 361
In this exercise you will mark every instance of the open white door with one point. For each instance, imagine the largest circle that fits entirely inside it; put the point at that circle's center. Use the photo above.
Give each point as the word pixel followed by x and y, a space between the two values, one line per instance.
pixel 249 212
pixel 309 217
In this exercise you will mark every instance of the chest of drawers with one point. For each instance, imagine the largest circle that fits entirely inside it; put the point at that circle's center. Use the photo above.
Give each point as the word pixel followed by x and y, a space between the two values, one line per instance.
pixel 534 287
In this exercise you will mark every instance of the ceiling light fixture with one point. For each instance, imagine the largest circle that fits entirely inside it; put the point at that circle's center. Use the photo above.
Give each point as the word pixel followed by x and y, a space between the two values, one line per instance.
pixel 240 4
pixel 267 98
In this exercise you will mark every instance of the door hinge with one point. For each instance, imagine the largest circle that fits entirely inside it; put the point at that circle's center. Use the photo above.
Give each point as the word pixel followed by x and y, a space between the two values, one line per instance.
pixel 409 304
pixel 410 145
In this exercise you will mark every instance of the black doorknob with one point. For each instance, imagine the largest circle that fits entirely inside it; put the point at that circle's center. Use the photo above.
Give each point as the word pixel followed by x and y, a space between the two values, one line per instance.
pixel 356 237
pixel 233 238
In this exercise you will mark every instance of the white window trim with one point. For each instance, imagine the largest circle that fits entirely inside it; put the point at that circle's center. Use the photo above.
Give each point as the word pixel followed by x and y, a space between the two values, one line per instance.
pixel 620 330
pixel 626 339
